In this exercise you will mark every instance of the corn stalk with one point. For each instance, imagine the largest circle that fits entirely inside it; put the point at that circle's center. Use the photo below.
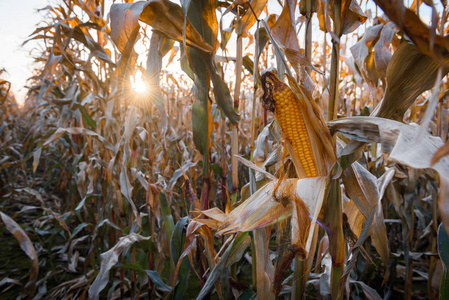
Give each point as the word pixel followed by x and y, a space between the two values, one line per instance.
pixel 333 205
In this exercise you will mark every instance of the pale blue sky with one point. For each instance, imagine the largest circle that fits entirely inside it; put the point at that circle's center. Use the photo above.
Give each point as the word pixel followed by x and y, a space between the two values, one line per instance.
pixel 18 19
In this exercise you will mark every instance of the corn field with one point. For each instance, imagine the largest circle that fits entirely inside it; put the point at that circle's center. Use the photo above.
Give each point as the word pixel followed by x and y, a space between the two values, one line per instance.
pixel 246 149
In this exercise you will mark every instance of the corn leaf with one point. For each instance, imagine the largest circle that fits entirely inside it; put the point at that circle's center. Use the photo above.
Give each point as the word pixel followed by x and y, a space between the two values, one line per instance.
pixel 351 16
pixel 443 249
pixel 443 151
pixel 382 53
pixel 399 141
pixel 109 259
pixel 234 251
pixel 27 246
pixel 264 266
pixel 427 41
pixel 409 74
pixel 177 238
pixel 164 16
pixel 248 19
pixel 158 282
pixel 258 211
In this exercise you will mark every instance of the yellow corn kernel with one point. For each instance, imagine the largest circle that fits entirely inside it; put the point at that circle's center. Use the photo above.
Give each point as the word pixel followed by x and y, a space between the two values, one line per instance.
pixel 289 116
pixel 279 98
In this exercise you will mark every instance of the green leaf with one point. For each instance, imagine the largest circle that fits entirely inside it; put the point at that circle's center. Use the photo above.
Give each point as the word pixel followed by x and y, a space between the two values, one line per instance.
pixel 154 276
pixel 232 254
pixel 217 169
pixel 215 274
pixel 156 279
pixel 242 242
pixel 183 280
pixel 248 63
pixel 263 39
pixel 443 250
pixel 178 240
pixel 202 15
pixel 185 65
pixel 166 216
pixel 248 294
pixel 222 94
pixel 89 121
pixel 200 120
pixel 79 228
pixel 134 267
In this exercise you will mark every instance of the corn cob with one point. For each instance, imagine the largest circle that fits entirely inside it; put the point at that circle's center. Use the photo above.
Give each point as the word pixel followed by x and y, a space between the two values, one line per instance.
pixel 279 98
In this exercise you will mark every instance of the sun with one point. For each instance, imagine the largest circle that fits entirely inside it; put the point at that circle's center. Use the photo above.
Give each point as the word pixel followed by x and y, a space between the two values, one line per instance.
pixel 140 93
pixel 140 86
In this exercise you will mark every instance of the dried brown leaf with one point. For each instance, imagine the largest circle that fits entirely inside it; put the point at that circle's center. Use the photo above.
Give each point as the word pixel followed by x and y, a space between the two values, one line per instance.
pixel 109 259
pixel 314 6
pixel 382 52
pixel 284 32
pixel 443 151
pixel 165 17
pixel 361 49
pixel 424 37
pixel 409 74
pixel 248 20
pixel 399 141
pixel 27 246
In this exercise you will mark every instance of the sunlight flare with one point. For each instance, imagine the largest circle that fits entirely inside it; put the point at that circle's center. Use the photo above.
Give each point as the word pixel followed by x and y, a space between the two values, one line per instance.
pixel 139 86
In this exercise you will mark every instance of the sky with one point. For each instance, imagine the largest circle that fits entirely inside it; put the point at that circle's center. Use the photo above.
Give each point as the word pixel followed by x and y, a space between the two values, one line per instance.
pixel 18 19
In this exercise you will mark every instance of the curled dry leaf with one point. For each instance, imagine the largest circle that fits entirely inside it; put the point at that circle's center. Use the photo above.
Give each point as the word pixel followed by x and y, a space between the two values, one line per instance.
pixel 361 49
pixel 416 30
pixel 264 266
pixel 443 151
pixel 248 20
pixel 258 211
pixel 80 34
pixel 165 17
pixel 366 191
pixel 285 33
pixel 351 17
pixel 382 52
pixel 372 53
pixel 77 130
pixel 27 246
pixel 399 141
pixel 409 74
pixel 109 259
pixel 315 4
pixel 276 201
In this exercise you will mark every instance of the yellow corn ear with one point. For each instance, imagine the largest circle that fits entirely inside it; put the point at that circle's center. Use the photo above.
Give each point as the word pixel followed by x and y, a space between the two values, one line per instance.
pixel 290 118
